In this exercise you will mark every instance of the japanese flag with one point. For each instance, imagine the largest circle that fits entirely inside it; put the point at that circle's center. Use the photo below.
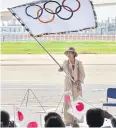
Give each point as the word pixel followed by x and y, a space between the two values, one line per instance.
pixel 79 107
pixel 26 118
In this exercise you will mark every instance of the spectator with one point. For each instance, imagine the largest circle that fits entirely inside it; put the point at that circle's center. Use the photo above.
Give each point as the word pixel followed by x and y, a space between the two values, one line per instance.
pixel 54 114
pixel 51 114
pixel 5 120
pixel 54 121
pixel 94 117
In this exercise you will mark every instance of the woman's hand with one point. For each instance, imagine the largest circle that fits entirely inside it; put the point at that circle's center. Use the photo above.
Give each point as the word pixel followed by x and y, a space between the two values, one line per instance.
pixel 60 69
pixel 78 85
pixel 78 82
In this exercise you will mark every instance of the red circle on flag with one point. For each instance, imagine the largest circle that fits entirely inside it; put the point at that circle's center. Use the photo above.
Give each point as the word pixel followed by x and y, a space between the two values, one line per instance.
pixel 20 116
pixel 32 125
pixel 80 106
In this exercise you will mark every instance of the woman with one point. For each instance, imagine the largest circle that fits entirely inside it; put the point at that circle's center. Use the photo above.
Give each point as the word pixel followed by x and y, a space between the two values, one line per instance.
pixel 74 70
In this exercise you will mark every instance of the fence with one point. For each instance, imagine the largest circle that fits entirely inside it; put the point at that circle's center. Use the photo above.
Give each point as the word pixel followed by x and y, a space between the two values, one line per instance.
pixel 106 31
pixel 26 37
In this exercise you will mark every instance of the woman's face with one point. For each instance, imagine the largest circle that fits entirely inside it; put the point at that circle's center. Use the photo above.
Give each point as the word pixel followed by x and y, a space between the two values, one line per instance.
pixel 70 55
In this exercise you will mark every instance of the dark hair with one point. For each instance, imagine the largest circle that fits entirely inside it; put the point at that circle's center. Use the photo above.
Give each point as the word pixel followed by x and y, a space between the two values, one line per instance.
pixel 51 114
pixel 5 118
pixel 54 121
pixel 94 117
pixel 74 55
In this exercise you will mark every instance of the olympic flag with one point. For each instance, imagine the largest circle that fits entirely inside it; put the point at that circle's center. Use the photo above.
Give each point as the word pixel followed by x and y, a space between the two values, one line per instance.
pixel 55 16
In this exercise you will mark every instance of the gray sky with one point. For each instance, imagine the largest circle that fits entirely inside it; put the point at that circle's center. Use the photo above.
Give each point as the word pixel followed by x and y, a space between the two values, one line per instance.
pixel 102 12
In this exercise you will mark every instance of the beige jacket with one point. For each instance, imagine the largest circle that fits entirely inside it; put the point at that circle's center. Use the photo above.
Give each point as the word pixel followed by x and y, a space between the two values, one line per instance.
pixel 78 73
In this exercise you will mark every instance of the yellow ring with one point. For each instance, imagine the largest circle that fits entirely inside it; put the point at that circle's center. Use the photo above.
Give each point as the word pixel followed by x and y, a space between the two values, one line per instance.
pixel 45 21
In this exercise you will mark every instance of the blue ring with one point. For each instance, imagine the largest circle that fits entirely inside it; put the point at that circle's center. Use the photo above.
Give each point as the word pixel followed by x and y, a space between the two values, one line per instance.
pixel 32 16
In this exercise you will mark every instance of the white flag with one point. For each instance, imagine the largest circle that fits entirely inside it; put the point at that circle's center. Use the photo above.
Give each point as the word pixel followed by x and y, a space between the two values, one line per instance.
pixel 26 118
pixel 79 108
pixel 58 16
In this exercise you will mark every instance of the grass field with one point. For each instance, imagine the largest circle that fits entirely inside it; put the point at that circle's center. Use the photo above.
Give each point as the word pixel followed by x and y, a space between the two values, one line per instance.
pixel 58 47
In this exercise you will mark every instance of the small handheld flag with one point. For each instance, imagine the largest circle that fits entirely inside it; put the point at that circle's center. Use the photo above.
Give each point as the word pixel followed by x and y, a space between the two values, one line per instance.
pixel 26 118
pixel 79 108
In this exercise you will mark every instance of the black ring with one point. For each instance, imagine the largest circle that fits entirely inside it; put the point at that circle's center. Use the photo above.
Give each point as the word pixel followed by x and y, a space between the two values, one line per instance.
pixel 32 16
pixel 44 6
pixel 62 17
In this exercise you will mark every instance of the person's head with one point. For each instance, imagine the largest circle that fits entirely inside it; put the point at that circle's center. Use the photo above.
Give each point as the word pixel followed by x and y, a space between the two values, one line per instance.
pixel 5 118
pixel 71 53
pixel 94 117
pixel 54 121
pixel 51 114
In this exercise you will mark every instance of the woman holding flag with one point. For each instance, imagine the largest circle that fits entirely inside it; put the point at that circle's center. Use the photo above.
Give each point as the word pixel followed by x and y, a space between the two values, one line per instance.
pixel 74 78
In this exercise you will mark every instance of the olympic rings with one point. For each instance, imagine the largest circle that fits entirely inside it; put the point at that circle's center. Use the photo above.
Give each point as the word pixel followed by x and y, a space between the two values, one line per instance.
pixel 70 10
pixel 32 16
pixel 44 6
pixel 62 17
pixel 45 21
pixel 57 10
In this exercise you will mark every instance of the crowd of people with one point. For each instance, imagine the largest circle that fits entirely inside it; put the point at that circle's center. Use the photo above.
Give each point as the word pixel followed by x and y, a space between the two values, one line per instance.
pixel 95 117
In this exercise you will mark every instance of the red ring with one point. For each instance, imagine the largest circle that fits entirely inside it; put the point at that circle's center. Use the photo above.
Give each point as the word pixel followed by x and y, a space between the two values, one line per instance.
pixel 68 9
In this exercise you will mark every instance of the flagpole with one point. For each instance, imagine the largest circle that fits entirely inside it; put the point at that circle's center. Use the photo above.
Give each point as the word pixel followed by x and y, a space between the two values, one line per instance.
pixel 27 29
pixel 34 37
